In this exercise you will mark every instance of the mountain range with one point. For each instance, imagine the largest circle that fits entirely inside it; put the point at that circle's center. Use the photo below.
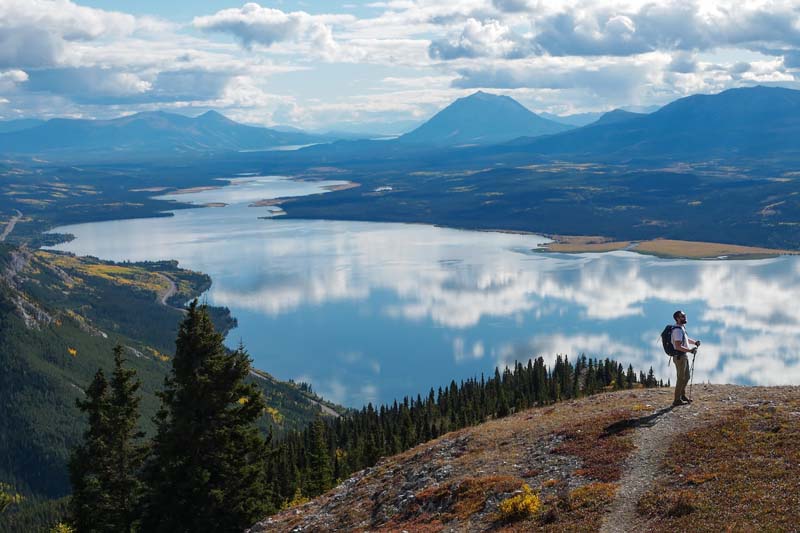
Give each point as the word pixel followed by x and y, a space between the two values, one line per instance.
pixel 157 131
pixel 746 122
pixel 743 122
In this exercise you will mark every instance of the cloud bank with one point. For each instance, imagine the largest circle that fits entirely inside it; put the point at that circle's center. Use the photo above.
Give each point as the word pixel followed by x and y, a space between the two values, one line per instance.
pixel 261 64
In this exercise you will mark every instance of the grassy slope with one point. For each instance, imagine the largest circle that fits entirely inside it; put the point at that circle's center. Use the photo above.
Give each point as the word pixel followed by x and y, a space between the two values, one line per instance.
pixel 84 306
pixel 738 471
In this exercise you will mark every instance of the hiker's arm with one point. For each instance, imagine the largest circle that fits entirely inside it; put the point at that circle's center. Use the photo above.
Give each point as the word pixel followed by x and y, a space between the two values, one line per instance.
pixel 680 347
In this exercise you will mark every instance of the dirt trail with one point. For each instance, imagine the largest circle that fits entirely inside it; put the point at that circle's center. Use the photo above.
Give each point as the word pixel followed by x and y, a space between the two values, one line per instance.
pixel 10 226
pixel 167 293
pixel 654 433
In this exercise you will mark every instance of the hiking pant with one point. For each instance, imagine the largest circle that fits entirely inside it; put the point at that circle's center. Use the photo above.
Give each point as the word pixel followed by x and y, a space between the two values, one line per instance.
pixel 682 365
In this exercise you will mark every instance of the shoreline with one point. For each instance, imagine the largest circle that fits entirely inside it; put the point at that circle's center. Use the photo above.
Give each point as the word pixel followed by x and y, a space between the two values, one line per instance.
pixel 570 244
pixel 660 247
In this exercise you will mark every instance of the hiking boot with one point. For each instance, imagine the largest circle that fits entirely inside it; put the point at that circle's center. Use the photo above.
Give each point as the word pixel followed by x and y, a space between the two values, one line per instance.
pixel 684 399
pixel 677 403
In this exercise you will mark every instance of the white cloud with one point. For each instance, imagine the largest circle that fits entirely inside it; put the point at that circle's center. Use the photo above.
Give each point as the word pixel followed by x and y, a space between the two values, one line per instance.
pixel 618 27
pixel 463 353
pixel 552 344
pixel 618 79
pixel 479 39
pixel 254 24
pixel 572 55
pixel 34 33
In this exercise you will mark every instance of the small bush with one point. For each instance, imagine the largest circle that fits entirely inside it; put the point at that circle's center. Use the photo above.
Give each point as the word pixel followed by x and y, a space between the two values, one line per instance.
pixel 61 527
pixel 681 504
pixel 667 504
pixel 699 479
pixel 523 505
pixel 593 495
pixel 297 500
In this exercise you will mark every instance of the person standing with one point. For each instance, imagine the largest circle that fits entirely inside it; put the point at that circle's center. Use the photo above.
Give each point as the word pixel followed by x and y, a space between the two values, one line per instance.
pixel 681 343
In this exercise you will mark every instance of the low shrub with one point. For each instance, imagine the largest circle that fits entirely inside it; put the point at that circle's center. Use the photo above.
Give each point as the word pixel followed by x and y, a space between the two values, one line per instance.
pixel 521 506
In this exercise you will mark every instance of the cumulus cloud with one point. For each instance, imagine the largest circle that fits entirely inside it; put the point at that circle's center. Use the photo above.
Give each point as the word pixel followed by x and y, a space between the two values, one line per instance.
pixel 254 24
pixel 617 79
pixel 552 344
pixel 479 39
pixel 566 56
pixel 513 6
pixel 10 79
pixel 618 28
pixel 88 84
pixel 34 33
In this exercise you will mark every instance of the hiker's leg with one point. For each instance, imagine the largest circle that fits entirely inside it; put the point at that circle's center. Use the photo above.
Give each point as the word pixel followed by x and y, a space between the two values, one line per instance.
pixel 682 366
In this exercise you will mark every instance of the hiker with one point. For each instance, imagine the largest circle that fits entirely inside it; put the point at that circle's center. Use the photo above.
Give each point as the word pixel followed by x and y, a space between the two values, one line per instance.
pixel 681 342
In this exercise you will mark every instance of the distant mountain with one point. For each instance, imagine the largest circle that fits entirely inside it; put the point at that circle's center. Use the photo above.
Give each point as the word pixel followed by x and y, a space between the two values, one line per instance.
pixel 615 116
pixel 150 132
pixel 577 119
pixel 19 124
pixel 482 118
pixel 755 121
pixel 370 130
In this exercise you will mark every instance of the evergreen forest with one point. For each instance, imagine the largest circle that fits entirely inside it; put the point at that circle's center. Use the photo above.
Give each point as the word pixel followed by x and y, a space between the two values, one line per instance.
pixel 209 467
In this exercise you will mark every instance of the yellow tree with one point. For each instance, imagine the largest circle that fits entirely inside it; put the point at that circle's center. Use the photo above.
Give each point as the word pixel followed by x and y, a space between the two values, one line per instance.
pixel 8 497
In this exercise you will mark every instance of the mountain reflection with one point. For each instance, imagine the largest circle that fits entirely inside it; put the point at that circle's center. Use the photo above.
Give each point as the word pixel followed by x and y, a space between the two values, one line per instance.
pixel 309 290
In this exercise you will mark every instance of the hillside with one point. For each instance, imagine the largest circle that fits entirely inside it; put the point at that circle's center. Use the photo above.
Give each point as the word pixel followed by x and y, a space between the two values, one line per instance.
pixel 20 124
pixel 156 132
pixel 481 118
pixel 619 461
pixel 747 122
pixel 616 116
pixel 60 317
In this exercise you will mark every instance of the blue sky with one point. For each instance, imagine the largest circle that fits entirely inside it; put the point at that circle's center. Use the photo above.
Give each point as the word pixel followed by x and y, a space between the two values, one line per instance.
pixel 318 65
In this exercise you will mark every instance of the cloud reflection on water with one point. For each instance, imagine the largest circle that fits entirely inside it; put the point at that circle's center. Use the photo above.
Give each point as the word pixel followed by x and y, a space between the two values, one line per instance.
pixel 497 299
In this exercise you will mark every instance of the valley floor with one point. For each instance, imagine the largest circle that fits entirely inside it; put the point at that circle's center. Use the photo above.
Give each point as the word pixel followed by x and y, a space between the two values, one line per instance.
pixel 622 461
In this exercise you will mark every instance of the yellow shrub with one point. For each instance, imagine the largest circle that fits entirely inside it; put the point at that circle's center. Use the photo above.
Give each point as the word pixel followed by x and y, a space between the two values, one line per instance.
pixel 8 497
pixel 521 506
pixel 61 527
pixel 298 499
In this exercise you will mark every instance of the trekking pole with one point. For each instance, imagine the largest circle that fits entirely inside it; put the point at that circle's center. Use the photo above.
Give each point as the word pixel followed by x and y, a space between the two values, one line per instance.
pixel 691 376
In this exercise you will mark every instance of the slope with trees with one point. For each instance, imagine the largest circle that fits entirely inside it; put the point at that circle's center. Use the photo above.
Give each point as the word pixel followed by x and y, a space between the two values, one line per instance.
pixel 60 317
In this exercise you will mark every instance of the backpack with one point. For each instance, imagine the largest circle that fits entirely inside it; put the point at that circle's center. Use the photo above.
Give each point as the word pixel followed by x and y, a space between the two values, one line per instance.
pixel 666 340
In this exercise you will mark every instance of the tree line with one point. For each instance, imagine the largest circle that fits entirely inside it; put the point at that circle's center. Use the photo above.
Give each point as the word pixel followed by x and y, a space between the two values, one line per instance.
pixel 208 468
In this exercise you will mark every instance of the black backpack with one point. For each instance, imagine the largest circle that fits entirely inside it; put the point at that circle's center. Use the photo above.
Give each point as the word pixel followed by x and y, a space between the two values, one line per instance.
pixel 666 340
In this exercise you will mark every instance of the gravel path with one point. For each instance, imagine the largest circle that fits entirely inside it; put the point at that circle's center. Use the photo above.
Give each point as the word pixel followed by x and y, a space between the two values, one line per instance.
pixel 10 226
pixel 169 292
pixel 654 432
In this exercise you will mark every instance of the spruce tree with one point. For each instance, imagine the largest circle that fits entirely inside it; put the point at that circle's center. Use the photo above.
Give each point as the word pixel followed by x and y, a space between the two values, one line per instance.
pixel 126 448
pixel 104 470
pixel 320 476
pixel 89 463
pixel 207 471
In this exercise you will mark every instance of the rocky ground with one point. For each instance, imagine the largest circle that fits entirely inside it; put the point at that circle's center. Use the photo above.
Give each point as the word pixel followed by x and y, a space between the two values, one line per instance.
pixel 594 464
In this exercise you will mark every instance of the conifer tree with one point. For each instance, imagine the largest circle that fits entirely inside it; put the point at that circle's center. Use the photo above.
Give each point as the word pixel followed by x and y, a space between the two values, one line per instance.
pixel 630 377
pixel 207 471
pixel 127 451
pixel 320 476
pixel 105 469
pixel 88 465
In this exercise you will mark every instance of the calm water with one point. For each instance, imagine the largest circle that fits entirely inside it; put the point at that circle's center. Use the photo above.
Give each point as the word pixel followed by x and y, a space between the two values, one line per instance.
pixel 372 311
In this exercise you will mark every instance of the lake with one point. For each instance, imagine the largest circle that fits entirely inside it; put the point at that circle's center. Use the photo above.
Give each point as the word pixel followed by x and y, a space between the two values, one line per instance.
pixel 375 311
